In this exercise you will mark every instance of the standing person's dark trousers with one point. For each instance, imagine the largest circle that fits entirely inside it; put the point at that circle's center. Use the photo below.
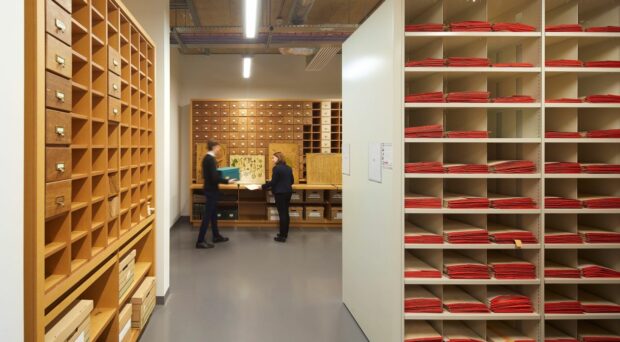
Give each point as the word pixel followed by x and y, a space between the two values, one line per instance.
pixel 212 180
pixel 283 201
pixel 281 185
pixel 209 215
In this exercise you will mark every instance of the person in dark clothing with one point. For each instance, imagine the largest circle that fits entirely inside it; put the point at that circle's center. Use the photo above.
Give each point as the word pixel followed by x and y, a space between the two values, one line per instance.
pixel 212 180
pixel 281 185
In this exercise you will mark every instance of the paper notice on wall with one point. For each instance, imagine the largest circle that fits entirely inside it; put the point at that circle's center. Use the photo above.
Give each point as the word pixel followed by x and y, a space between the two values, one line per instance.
pixel 346 159
pixel 374 162
pixel 387 151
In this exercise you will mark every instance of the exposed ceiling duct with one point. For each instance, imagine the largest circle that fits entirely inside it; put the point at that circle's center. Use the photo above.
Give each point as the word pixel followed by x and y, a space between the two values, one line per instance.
pixel 299 11
pixel 319 60
pixel 297 51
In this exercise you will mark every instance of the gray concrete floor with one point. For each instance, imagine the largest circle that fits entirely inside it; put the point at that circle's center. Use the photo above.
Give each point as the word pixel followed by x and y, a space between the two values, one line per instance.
pixel 253 289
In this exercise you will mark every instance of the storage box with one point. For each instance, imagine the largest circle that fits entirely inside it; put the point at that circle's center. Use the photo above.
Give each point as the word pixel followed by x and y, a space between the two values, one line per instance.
pixel 230 172
pixel 296 197
pixel 124 324
pixel 272 214
pixel 335 196
pixel 335 214
pixel 227 214
pixel 127 267
pixel 314 196
pixel 143 303
pixel 296 214
pixel 74 325
pixel 315 214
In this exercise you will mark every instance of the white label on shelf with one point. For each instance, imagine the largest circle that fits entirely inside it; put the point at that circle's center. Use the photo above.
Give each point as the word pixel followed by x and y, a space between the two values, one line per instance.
pixel 315 214
pixel 374 162
pixel 125 330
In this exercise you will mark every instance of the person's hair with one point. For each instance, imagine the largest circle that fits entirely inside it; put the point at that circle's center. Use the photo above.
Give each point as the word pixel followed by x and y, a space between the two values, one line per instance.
pixel 211 144
pixel 280 157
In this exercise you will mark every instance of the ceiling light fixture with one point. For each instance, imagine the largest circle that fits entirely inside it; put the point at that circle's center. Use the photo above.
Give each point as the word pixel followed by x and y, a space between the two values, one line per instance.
pixel 247 67
pixel 251 18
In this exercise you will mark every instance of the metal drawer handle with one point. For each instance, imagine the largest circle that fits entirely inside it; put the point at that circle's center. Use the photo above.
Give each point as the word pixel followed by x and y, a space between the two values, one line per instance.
pixel 115 62
pixel 60 60
pixel 60 96
pixel 60 167
pixel 115 111
pixel 115 86
pixel 60 25
pixel 60 201
pixel 60 131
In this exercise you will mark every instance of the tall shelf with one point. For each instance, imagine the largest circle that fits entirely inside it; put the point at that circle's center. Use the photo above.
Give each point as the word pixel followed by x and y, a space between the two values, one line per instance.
pixel 90 129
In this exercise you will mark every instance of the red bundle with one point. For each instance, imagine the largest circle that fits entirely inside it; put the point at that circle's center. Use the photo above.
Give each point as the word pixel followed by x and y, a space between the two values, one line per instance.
pixel 503 234
pixel 595 304
pixel 563 63
pixel 589 270
pixel 467 134
pixel 590 332
pixel 507 267
pixel 600 202
pixel 513 27
pixel 558 304
pixel 415 234
pixel 468 96
pixel 598 235
pixel 428 131
pixel 466 168
pixel 427 27
pixel 603 64
pixel 472 25
pixel 512 166
pixel 458 201
pixel 555 202
pixel 562 167
pixel 424 167
pixel 603 133
pixel 420 300
pixel 513 65
pixel 554 270
pixel 457 300
pixel 462 233
pixel 564 28
pixel 608 98
pixel 427 62
pixel 515 99
pixel 458 266
pixel 420 201
pixel 603 29
pixel 509 303
pixel 416 268
pixel 564 100
pixel 435 96
pixel 468 62
pixel 563 135
pixel 511 202
pixel 558 236
pixel 600 168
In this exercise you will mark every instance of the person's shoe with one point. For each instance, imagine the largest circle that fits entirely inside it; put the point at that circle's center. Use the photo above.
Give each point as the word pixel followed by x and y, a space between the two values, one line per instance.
pixel 279 238
pixel 219 239
pixel 204 245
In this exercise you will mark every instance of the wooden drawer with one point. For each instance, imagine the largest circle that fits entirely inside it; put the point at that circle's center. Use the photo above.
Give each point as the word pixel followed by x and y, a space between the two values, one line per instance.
pixel 289 136
pixel 326 143
pixel 299 136
pixel 66 4
pixel 224 136
pixel 251 128
pixel 224 120
pixel 57 92
pixel 225 112
pixel 308 113
pixel 234 143
pixel 114 109
pixel 233 128
pixel 326 105
pixel 114 61
pixel 251 112
pixel 325 136
pixel 326 128
pixel 57 127
pixel 326 150
pixel 242 112
pixel 262 144
pixel 252 121
pixel 114 85
pixel 252 136
pixel 57 163
pixel 243 121
pixel 252 143
pixel 261 136
pixel 307 121
pixel 224 128
pixel 326 120
pixel 261 151
pixel 298 128
pixel 57 198
pixel 234 120
pixel 58 57
pixel 58 22
pixel 233 136
pixel 243 136
pixel 326 113
pixel 242 128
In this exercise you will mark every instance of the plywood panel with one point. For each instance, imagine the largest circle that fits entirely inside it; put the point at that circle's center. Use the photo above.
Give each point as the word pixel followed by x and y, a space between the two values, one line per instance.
pixel 291 157
pixel 324 168
pixel 251 168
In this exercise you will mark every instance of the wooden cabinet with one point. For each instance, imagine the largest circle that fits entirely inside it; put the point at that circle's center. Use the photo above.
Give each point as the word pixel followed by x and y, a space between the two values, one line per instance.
pixel 114 61
pixel 57 127
pixel 59 57
pixel 57 198
pixel 57 163
pixel 114 85
pixel 57 92
pixel 58 22
pixel 114 109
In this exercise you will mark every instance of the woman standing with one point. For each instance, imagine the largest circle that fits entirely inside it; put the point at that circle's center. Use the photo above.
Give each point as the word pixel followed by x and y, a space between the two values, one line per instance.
pixel 281 185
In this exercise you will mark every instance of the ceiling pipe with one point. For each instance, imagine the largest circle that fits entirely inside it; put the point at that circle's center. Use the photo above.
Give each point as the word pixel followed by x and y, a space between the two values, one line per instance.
pixel 299 11
pixel 193 12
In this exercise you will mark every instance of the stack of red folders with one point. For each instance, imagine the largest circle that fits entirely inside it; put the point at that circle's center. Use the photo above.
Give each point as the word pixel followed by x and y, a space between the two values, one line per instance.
pixel 434 96
pixel 427 62
pixel 508 267
pixel 563 63
pixel 467 134
pixel 554 335
pixel 416 268
pixel 564 100
pixel 599 235
pixel 456 300
pixel 600 202
pixel 602 64
pixel 422 201
pixel 457 266
pixel 471 25
pixel 590 270
pixel 555 270
pixel 513 65
pixel 556 303
pixel 513 27
pixel 419 300
pixel 468 96
pixel 499 201
pixel 416 234
pixel 426 27
pixel 466 168
pixel 421 331
pixel 428 131
pixel 503 234
pixel 603 29
pixel 460 332
pixel 515 99
pixel 562 167
pixel 512 166
pixel 594 304
pixel 504 300
pixel 555 134
pixel 604 133
pixel 590 332
pixel 462 233
pixel 460 201
pixel 606 98
pixel 424 167
pixel 564 28
pixel 600 168
pixel 559 236
pixel 468 62
pixel 556 202
pixel 501 332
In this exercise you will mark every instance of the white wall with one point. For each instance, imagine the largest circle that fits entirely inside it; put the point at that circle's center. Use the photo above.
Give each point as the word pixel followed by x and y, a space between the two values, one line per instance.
pixel 175 137
pixel 12 185
pixel 372 229
pixel 273 77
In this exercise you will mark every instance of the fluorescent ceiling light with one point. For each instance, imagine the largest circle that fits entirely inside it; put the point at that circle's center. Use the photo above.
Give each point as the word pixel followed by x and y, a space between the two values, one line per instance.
pixel 251 18
pixel 247 67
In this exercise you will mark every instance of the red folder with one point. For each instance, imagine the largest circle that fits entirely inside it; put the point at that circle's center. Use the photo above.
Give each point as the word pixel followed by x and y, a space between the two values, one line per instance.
pixel 466 168
pixel 424 167
pixel 592 303
pixel 600 202
pixel 428 131
pixel 515 99
pixel 591 270
pixel 459 201
pixel 427 62
pixel 602 64
pixel 458 266
pixel 562 167
pixel 472 25
pixel 462 233
pixel 555 202
pixel 511 166
pixel 419 300
pixel 426 27
pixel 467 134
pixel 503 234
pixel 421 201
pixel 554 134
pixel 555 270
pixel 604 133
pixel 603 29
pixel 416 234
pixel 554 335
pixel 434 96
pixel 468 96
pixel 421 331
pixel 600 168
pixel 599 235
pixel 563 63
pixel 456 300
pixel 505 266
pixel 603 98
pixel 590 332
pixel 559 236
pixel 513 27
pixel 503 300
pixel 558 304
pixel 502 332
pixel 564 100
pixel 564 28
pixel 468 62
pixel 513 65
pixel 499 201
pixel 416 268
